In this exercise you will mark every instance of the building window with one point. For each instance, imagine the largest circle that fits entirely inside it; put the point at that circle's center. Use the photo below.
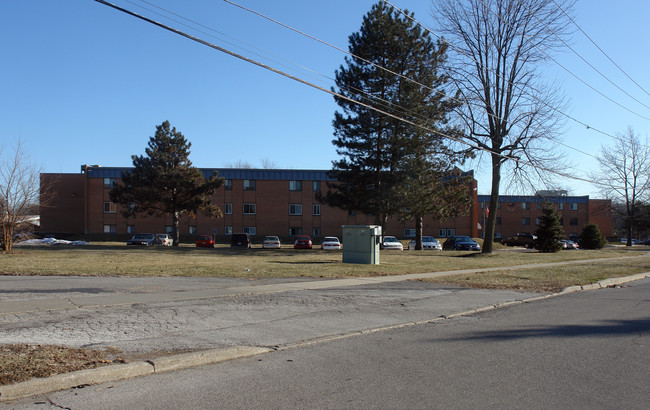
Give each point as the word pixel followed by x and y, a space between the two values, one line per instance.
pixel 249 185
pixel 315 231
pixel 537 221
pixel 352 212
pixel 560 206
pixel 295 230
pixel 130 229
pixel 227 209
pixel 315 209
pixel 250 209
pixel 227 184
pixel 295 185
pixel 110 229
pixel 409 232
pixel 574 206
pixel 192 230
pixel 169 229
pixel 525 205
pixel 315 186
pixel 110 182
pixel 109 208
pixel 573 221
pixel 251 230
pixel 295 209
pixel 525 221
pixel 451 232
pixel 442 233
pixel 228 230
pixel 497 235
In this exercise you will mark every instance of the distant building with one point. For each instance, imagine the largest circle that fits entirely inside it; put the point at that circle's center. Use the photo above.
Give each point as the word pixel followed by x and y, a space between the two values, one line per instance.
pixel 521 214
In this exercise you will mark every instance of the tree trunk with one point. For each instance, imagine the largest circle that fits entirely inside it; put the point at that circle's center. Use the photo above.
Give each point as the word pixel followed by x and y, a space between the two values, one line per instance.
pixel 488 240
pixel 418 233
pixel 175 222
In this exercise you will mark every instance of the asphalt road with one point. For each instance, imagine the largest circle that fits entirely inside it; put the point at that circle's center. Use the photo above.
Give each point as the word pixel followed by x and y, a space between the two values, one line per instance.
pixel 579 350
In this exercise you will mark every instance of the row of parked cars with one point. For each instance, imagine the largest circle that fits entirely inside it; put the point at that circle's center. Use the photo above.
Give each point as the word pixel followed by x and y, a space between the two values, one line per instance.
pixel 243 240
pixel 528 241
pixel 150 239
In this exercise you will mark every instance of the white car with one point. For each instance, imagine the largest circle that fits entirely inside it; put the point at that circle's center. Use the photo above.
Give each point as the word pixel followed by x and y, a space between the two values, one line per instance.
pixel 331 243
pixel 391 242
pixel 271 242
pixel 165 239
pixel 428 242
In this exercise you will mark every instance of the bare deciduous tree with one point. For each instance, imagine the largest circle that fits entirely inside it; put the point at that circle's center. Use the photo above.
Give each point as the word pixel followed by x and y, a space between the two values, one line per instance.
pixel 624 176
pixel 497 48
pixel 20 194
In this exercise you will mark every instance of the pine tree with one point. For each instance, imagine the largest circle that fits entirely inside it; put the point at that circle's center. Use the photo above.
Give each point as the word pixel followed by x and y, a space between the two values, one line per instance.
pixel 591 238
pixel 550 231
pixel 164 182
pixel 394 69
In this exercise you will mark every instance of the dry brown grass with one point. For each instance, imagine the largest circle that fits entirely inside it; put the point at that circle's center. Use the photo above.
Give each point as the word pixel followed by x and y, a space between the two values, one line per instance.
pixel 20 362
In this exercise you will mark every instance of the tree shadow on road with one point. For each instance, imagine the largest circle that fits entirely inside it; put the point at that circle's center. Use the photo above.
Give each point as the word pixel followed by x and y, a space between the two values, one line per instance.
pixel 607 328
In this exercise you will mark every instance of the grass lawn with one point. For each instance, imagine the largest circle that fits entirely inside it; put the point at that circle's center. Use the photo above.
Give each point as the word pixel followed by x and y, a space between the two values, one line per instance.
pixel 113 259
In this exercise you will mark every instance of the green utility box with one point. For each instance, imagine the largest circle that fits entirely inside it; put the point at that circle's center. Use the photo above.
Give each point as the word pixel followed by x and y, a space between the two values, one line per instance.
pixel 361 244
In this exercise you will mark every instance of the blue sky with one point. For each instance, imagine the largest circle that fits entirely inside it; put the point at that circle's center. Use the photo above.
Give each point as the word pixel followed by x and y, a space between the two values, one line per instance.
pixel 81 83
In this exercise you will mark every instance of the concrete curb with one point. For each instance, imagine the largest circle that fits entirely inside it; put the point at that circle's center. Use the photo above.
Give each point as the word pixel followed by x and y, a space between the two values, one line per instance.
pixel 113 373
pixel 606 283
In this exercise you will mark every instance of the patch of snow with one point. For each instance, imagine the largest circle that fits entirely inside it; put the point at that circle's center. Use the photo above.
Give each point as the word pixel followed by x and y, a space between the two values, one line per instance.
pixel 51 241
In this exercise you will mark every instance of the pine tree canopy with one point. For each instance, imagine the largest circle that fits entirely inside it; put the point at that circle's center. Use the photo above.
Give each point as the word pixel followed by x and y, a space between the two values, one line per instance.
pixel 394 68
pixel 164 182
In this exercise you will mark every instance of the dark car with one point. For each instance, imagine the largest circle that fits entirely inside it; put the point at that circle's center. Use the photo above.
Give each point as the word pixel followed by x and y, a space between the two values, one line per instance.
pixel 524 239
pixel 240 240
pixel 302 242
pixel 205 241
pixel 460 243
pixel 144 239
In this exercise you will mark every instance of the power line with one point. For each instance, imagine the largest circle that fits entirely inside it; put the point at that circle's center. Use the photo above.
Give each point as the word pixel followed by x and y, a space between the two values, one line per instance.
pixel 397 74
pixel 292 77
pixel 599 49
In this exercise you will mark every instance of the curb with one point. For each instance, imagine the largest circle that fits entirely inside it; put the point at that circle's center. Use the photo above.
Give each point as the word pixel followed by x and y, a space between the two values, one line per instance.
pixel 114 373
pixel 606 283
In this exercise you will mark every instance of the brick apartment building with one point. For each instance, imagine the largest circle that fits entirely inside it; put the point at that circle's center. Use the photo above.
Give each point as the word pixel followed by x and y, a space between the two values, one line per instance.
pixel 521 214
pixel 258 202
pixel 282 202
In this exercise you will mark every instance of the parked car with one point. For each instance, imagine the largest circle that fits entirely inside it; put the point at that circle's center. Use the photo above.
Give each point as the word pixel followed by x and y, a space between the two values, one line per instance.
pixel 428 242
pixel 331 243
pixel 391 242
pixel 461 243
pixel 302 242
pixel 271 242
pixel 240 240
pixel 165 239
pixel 524 239
pixel 205 241
pixel 567 244
pixel 144 239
